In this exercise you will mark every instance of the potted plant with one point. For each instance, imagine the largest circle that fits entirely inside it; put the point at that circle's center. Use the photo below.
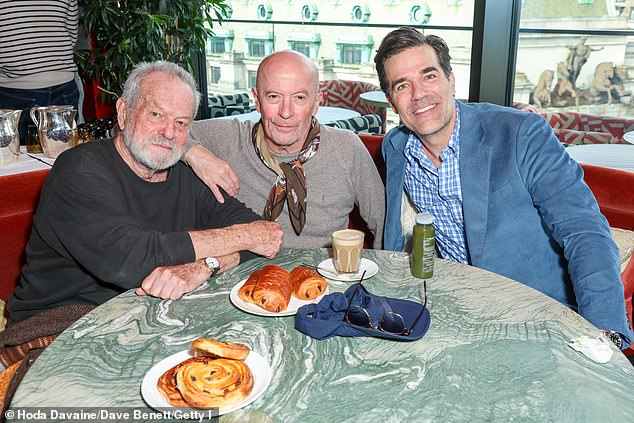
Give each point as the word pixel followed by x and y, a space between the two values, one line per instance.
pixel 124 33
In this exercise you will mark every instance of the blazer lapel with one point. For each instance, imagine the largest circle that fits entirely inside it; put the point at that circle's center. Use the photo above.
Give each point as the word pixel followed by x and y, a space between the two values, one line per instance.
pixel 475 171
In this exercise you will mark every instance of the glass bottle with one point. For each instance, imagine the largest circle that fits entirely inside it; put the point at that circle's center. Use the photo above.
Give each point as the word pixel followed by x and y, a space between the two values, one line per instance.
pixel 423 246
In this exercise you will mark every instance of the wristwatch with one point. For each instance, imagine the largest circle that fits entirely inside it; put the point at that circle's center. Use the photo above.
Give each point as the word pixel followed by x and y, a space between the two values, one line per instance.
pixel 615 337
pixel 213 264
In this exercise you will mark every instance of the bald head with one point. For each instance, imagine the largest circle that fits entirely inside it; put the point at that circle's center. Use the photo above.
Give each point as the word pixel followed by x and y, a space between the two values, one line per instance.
pixel 287 96
pixel 283 60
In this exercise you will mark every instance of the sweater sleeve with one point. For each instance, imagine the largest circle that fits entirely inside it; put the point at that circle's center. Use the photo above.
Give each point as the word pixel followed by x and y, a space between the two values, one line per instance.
pixel 83 218
pixel 231 212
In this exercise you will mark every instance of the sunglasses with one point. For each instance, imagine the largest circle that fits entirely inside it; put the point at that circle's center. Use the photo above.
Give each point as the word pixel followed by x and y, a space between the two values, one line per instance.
pixel 389 322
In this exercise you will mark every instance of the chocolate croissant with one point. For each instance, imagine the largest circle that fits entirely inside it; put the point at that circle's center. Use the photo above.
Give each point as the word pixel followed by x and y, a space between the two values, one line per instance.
pixel 206 382
pixel 247 289
pixel 273 289
pixel 307 283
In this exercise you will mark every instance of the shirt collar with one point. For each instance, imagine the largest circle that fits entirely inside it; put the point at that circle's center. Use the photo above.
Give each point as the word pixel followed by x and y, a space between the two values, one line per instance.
pixel 454 140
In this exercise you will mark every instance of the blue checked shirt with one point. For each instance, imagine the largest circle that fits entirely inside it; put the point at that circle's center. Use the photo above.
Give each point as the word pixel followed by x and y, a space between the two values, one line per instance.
pixel 438 191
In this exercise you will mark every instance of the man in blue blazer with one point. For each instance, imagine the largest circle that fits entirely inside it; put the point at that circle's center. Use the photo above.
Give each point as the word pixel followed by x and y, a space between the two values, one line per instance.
pixel 505 195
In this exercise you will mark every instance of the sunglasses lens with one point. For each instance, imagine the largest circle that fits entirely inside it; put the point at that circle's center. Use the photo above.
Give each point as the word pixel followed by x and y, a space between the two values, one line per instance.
pixel 358 317
pixel 392 322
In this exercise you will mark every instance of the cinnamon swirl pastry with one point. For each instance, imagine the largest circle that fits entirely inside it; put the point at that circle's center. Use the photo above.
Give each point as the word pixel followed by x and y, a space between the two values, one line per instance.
pixel 217 349
pixel 273 289
pixel 307 283
pixel 245 292
pixel 208 382
pixel 167 385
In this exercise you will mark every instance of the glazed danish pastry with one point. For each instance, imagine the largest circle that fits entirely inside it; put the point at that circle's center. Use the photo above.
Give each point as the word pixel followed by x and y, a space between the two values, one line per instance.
pixel 217 349
pixel 307 283
pixel 273 289
pixel 167 385
pixel 207 382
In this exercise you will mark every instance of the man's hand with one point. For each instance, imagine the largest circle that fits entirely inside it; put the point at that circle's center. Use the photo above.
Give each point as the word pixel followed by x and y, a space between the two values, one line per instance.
pixel 171 282
pixel 213 171
pixel 266 238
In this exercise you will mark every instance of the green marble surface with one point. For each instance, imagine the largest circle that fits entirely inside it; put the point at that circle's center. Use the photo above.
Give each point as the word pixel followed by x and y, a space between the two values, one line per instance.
pixel 496 351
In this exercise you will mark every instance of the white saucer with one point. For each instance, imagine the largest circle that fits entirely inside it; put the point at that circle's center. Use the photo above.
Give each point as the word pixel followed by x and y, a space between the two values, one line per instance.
pixel 293 305
pixel 327 269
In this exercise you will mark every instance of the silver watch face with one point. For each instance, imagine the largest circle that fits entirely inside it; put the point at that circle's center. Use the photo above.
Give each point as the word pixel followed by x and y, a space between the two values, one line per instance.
pixel 212 263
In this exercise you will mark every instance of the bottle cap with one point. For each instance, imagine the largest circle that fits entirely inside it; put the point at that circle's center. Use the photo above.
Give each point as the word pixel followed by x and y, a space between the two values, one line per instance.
pixel 424 218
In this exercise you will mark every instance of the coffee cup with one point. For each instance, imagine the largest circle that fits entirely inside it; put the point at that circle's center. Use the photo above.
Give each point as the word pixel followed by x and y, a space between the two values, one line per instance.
pixel 347 246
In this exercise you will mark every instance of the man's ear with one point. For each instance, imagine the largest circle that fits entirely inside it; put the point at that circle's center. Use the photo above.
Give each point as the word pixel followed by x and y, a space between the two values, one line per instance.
pixel 122 111
pixel 254 91
pixel 389 100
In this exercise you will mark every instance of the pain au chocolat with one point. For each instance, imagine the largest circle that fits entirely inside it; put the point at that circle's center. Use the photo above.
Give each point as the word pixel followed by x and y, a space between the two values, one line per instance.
pixel 273 289
pixel 307 283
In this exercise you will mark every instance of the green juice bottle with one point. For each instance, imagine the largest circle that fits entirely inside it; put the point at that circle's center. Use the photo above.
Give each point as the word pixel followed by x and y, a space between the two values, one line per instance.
pixel 423 246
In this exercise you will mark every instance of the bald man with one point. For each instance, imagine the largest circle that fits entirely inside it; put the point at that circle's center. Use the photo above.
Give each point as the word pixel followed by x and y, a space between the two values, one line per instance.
pixel 289 167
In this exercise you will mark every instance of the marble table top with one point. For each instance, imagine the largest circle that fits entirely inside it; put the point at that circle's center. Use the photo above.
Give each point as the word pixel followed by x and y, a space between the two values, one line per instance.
pixel 496 351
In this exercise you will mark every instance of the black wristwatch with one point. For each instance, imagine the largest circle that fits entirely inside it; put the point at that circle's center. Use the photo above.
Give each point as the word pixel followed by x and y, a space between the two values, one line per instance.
pixel 615 337
pixel 213 264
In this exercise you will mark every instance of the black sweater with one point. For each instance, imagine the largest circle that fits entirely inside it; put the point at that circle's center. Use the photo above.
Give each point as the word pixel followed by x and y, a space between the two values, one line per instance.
pixel 99 229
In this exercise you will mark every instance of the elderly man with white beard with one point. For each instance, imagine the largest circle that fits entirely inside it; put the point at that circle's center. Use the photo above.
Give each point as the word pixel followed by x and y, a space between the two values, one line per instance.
pixel 125 213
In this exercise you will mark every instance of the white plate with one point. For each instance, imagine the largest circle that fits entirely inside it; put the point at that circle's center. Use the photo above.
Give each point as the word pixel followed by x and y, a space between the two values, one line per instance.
pixel 293 305
pixel 259 368
pixel 327 269
pixel 629 137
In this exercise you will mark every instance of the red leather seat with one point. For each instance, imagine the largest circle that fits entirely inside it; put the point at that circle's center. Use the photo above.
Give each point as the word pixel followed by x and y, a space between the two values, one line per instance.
pixel 19 195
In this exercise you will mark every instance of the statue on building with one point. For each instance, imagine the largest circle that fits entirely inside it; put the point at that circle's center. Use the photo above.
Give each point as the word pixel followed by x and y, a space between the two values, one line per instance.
pixel 541 94
pixel 577 57
pixel 565 93
pixel 607 84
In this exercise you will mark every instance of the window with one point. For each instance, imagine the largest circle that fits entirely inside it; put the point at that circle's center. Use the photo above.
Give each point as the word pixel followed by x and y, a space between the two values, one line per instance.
pixel 264 11
pixel 351 55
pixel 354 50
pixel 221 42
pixel 585 70
pixel 257 48
pixel 214 78
pixel 309 12
pixel 300 47
pixel 332 33
pixel 252 75
pixel 420 15
pixel 259 43
pixel 360 13
pixel 305 43
pixel 217 45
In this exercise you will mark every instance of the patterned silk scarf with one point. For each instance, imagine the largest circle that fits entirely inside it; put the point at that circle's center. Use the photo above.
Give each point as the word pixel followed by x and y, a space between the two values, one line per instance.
pixel 290 184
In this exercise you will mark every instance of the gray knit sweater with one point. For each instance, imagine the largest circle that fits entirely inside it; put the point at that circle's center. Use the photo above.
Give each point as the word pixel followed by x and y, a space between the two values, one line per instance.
pixel 339 176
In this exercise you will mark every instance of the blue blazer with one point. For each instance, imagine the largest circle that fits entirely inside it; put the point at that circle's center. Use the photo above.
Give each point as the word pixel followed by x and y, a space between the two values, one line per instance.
pixel 528 213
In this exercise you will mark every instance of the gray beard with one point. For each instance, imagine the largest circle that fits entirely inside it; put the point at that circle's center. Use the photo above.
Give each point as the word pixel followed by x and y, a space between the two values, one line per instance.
pixel 141 155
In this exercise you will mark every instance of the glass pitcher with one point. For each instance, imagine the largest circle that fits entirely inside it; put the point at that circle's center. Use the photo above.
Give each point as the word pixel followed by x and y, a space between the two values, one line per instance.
pixel 9 136
pixel 56 127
